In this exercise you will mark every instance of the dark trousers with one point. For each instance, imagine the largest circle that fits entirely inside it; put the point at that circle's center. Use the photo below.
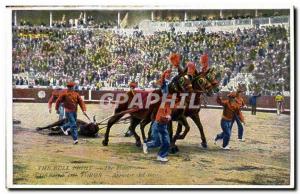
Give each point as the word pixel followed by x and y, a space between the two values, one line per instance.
pixel 71 118
pixel 240 126
pixel 160 138
pixel 225 135
pixel 253 110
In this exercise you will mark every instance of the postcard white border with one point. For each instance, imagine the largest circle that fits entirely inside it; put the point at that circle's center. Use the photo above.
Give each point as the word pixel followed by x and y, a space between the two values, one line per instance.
pixel 134 6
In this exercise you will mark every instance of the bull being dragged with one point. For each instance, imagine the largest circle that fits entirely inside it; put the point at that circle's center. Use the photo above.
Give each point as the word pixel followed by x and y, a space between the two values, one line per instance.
pixel 85 129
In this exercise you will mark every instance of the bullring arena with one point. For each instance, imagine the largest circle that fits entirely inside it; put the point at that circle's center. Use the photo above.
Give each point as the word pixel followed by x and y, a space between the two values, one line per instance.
pixel 263 159
pixel 210 53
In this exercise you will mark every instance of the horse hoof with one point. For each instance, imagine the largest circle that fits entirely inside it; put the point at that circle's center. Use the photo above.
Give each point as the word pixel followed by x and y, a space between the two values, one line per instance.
pixel 138 144
pixel 104 143
pixel 173 151
pixel 204 145
pixel 128 134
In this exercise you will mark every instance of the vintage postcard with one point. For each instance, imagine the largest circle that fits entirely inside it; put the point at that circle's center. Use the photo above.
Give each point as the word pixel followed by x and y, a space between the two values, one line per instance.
pixel 150 97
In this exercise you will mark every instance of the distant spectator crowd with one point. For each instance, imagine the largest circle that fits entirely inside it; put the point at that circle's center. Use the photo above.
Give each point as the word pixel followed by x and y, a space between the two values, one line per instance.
pixel 96 58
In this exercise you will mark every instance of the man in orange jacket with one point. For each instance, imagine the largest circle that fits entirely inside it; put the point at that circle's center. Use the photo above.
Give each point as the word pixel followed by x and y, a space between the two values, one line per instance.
pixel 160 134
pixel 71 99
pixel 159 128
pixel 230 109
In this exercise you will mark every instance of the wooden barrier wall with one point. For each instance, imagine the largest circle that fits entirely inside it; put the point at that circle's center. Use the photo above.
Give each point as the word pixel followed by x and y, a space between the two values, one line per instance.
pixel 31 95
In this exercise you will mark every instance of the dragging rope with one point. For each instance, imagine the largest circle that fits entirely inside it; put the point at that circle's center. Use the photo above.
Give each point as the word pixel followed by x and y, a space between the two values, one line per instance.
pixel 121 121
pixel 120 113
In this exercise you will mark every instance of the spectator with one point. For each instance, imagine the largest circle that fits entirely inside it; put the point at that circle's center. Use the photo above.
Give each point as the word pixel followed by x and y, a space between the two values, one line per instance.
pixel 252 102
pixel 279 99
pixel 94 55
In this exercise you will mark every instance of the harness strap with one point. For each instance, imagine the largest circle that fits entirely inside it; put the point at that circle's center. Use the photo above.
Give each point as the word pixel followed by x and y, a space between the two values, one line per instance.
pixel 120 113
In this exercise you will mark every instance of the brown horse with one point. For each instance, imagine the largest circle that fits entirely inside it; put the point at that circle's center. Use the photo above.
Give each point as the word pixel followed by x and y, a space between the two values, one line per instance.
pixel 209 85
pixel 178 85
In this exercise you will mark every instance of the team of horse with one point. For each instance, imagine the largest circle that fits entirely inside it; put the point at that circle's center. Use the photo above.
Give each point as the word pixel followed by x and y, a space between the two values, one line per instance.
pixel 199 85
pixel 195 87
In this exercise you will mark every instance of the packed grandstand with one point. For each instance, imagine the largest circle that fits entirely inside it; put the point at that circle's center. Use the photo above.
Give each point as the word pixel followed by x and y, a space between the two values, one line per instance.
pixel 253 51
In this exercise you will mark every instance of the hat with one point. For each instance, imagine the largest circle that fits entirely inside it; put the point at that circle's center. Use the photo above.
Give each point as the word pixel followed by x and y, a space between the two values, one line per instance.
pixel 232 95
pixel 174 59
pixel 71 84
pixel 132 84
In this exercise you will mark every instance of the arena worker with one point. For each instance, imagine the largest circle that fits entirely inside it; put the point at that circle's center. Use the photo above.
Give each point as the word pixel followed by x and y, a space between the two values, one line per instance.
pixel 54 96
pixel 159 128
pixel 240 101
pixel 230 109
pixel 71 99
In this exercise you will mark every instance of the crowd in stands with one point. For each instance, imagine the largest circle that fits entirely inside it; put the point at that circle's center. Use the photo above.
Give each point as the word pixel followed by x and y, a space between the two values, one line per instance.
pixel 77 22
pixel 97 58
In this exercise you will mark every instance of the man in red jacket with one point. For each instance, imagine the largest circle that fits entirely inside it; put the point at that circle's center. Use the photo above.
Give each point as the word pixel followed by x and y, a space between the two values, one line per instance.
pixel 71 99
pixel 160 133
pixel 159 129
pixel 230 109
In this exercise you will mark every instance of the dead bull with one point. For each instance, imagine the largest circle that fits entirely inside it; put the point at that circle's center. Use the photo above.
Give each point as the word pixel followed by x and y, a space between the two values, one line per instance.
pixel 86 129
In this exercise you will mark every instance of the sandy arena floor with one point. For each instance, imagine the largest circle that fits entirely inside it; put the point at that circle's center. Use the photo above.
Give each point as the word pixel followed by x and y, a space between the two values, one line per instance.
pixel 263 159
